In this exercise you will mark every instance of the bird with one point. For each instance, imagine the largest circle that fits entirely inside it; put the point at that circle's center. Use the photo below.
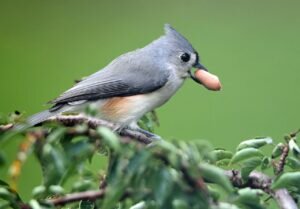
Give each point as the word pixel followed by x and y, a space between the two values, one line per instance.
pixel 134 83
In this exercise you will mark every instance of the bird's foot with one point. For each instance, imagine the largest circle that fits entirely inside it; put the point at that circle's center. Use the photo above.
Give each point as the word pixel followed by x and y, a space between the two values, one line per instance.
pixel 148 134
pixel 153 137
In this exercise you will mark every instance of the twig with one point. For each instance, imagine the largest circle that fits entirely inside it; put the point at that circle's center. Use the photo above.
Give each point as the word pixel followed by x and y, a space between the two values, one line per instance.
pixel 261 181
pixel 89 195
pixel 294 134
pixel 6 127
pixel 281 163
pixel 279 167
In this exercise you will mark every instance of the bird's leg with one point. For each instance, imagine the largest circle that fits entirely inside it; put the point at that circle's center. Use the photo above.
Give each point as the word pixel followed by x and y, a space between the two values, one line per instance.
pixel 118 128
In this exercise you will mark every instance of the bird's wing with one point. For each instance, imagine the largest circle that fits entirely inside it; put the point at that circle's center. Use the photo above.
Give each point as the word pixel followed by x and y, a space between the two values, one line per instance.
pixel 125 76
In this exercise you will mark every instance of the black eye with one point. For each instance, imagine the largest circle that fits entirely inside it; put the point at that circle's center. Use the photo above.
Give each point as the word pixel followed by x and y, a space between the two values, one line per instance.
pixel 185 57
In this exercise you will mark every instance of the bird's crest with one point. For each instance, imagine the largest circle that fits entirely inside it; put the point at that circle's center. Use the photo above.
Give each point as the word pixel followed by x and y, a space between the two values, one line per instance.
pixel 176 38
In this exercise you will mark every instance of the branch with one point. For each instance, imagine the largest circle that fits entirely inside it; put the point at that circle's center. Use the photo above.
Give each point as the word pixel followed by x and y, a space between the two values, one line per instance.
pixel 75 197
pixel 89 195
pixel 256 180
pixel 93 123
pixel 70 198
pixel 261 181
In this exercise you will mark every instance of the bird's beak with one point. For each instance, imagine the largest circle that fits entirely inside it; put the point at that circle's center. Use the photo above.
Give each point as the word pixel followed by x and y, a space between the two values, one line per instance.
pixel 199 66
pixel 203 77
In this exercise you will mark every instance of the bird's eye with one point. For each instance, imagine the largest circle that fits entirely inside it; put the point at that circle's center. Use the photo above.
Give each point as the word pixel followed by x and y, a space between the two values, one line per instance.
pixel 185 57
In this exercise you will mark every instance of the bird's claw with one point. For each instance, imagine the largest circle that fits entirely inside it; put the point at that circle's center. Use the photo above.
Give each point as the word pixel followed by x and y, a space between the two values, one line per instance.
pixel 150 135
pixel 118 129
pixel 153 137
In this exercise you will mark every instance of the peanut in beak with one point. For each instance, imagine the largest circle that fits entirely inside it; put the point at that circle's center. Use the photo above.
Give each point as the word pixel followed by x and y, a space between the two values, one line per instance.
pixel 208 80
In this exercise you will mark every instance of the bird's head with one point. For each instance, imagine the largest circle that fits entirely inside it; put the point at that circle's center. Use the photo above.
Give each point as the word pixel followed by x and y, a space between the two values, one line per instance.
pixel 175 50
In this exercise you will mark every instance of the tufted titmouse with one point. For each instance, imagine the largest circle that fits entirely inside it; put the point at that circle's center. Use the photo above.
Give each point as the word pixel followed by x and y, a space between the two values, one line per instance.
pixel 134 83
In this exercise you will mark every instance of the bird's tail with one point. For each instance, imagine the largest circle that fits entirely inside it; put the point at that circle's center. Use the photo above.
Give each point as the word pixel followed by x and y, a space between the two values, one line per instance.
pixel 38 118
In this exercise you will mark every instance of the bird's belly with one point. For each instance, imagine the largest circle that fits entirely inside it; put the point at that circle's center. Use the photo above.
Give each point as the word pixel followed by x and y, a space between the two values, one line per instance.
pixel 125 110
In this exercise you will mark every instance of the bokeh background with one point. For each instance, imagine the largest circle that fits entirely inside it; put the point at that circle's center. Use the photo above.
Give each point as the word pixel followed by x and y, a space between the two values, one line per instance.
pixel 253 46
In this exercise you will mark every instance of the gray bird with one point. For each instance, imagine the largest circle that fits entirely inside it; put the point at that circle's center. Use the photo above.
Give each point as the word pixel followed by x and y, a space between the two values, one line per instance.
pixel 134 83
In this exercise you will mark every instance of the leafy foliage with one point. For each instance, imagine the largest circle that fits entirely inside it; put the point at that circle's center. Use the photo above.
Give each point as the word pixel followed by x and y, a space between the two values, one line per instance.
pixel 164 174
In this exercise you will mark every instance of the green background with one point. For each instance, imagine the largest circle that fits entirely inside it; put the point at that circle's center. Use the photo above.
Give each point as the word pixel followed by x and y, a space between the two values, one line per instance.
pixel 253 46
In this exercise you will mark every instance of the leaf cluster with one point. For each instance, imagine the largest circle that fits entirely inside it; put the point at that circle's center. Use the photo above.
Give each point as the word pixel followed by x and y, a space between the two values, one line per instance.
pixel 164 174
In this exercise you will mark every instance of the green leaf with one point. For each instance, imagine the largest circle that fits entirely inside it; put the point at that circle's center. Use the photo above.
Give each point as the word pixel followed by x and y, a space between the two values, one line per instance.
pixel 224 205
pixel 215 175
pixel 83 185
pixel 54 164
pixel 294 147
pixel 79 150
pixel 2 159
pixel 222 154
pixel 56 135
pixel 10 196
pixel 170 150
pixel 146 123
pixel 214 193
pixel 86 204
pixel 248 166
pixel 56 189
pixel 245 154
pixel 34 204
pixel 3 183
pixel 265 163
pixel 223 163
pixel 249 198
pixel 277 151
pixel 204 149
pixel 291 179
pixel 167 146
pixel 164 187
pixel 255 143
pixel 38 191
pixel 149 121
pixel 293 162
pixel 4 193
pixel 179 204
pixel 4 205
pixel 91 110
pixel 154 117
pixel 110 138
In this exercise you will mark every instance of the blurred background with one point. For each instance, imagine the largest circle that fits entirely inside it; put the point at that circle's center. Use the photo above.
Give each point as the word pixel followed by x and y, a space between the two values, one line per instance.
pixel 253 46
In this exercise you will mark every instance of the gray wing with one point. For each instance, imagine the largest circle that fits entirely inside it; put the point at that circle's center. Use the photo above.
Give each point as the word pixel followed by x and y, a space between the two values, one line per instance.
pixel 126 76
